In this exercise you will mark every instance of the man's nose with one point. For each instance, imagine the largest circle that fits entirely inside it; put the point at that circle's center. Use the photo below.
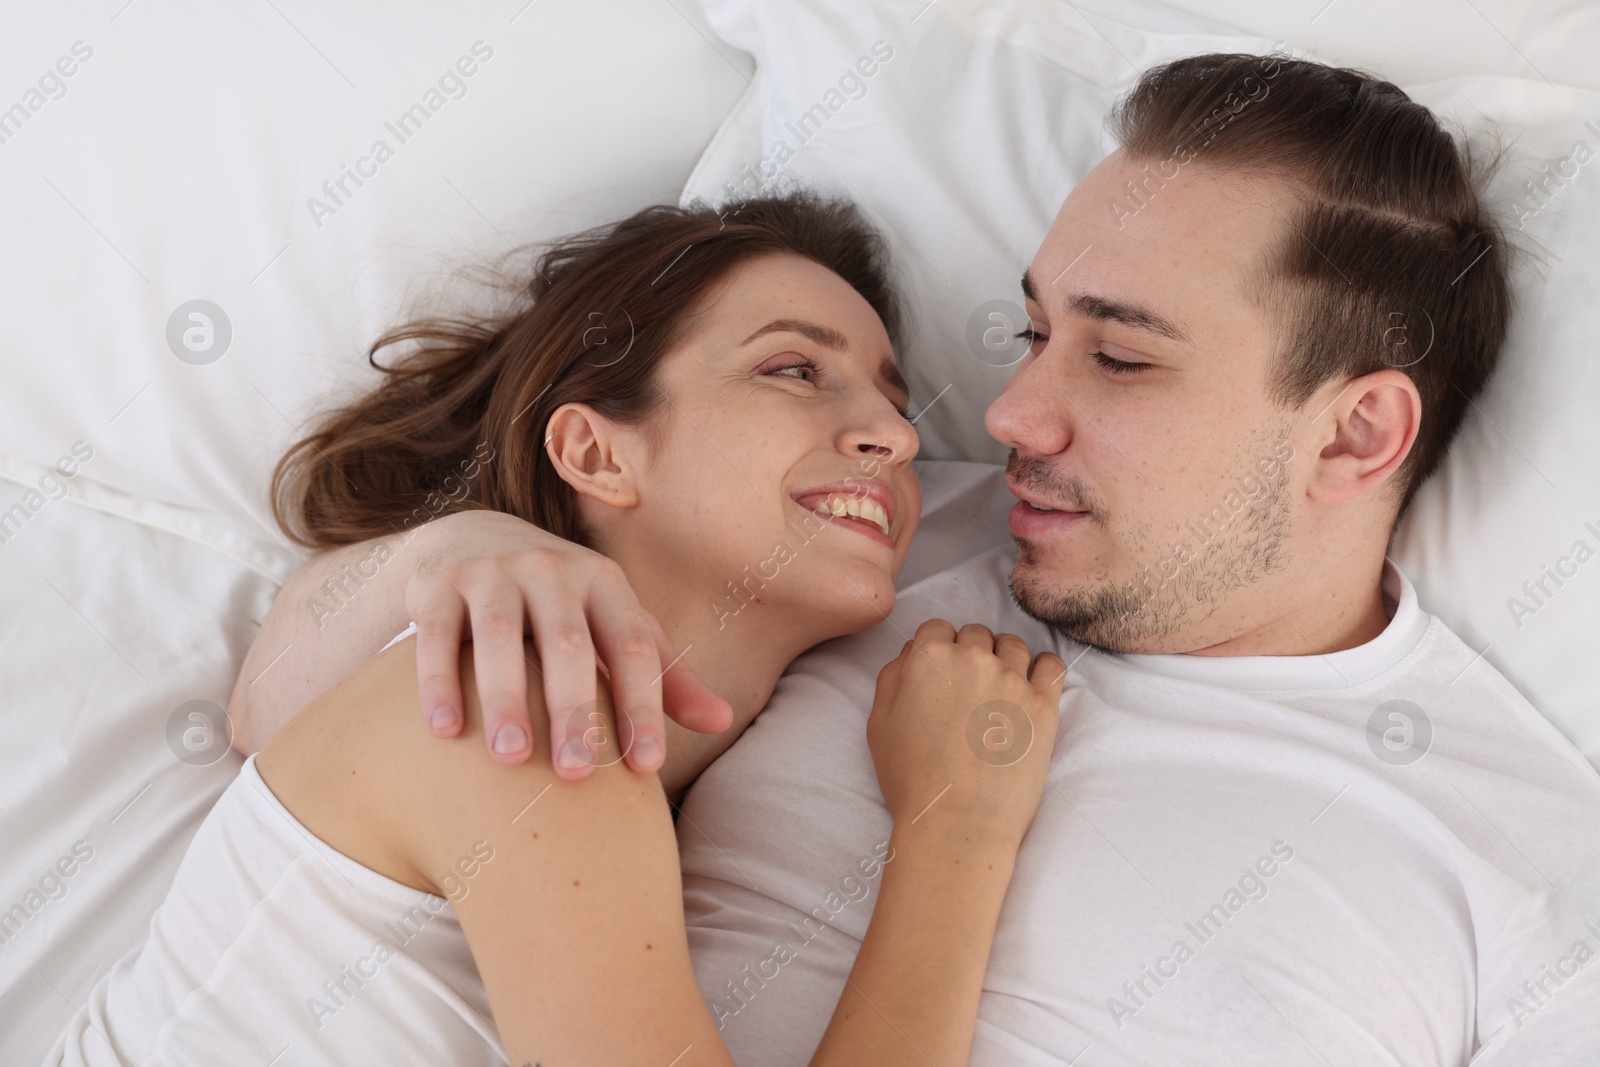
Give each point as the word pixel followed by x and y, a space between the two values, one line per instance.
pixel 1031 414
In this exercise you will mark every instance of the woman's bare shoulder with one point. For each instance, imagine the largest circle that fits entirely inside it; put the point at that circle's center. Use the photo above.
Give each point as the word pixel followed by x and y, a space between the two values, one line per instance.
pixel 568 891
pixel 359 768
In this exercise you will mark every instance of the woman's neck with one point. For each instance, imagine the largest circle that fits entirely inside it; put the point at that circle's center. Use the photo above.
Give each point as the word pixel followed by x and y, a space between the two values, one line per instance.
pixel 737 646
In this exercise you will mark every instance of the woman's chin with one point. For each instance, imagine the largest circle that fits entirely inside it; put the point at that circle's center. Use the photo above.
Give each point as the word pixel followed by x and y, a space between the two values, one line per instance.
pixel 853 596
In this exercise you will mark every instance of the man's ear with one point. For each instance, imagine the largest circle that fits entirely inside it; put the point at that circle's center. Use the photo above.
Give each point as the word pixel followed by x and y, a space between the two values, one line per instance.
pixel 1369 428
pixel 592 454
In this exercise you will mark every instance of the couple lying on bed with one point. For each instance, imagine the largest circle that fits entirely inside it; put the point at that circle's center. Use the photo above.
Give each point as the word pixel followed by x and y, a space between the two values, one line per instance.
pixel 1291 817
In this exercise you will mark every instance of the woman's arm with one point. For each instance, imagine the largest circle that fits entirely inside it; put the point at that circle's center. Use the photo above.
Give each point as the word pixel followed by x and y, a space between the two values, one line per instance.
pixel 336 611
pixel 576 923
pixel 484 575
pixel 912 996
pixel 961 734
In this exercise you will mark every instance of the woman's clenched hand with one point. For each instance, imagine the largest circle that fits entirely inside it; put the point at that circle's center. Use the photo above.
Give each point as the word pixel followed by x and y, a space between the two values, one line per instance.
pixel 962 728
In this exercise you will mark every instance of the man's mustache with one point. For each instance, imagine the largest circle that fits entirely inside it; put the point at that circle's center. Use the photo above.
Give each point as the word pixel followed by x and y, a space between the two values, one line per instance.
pixel 1035 474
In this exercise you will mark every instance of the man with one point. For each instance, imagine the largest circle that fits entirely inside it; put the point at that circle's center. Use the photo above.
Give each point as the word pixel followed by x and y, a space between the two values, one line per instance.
pixel 1292 818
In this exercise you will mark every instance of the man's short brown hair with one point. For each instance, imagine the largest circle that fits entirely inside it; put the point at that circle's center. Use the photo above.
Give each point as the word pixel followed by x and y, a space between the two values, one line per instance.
pixel 1389 259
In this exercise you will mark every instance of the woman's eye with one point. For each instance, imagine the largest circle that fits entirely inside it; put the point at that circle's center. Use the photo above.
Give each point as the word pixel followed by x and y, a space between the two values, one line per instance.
pixel 1117 366
pixel 804 371
pixel 1032 336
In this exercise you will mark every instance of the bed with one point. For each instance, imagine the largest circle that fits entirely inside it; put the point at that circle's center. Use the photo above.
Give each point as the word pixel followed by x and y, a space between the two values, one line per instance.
pixel 202 236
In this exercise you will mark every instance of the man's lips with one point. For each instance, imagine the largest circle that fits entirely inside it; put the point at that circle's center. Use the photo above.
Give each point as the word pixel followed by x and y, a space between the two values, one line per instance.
pixel 1031 524
pixel 1035 517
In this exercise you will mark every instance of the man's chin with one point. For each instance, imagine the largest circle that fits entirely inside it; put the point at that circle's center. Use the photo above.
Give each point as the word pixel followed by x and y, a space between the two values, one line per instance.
pixel 1082 628
pixel 1099 616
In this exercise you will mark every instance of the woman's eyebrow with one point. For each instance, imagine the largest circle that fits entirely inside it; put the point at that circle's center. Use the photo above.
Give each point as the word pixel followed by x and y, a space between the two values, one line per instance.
pixel 826 336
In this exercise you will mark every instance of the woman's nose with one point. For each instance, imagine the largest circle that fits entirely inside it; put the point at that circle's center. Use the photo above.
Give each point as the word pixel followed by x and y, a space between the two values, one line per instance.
pixel 889 441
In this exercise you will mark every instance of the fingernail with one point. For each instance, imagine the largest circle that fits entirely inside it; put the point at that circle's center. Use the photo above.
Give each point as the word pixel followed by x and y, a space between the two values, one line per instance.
pixel 510 738
pixel 441 717
pixel 573 754
pixel 647 750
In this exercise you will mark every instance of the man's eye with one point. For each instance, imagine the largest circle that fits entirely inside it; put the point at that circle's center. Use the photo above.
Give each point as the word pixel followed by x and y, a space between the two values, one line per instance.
pixel 1032 336
pixel 1117 366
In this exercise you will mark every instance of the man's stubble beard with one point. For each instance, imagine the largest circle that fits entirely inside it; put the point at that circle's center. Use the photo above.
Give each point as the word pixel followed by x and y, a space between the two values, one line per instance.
pixel 1138 612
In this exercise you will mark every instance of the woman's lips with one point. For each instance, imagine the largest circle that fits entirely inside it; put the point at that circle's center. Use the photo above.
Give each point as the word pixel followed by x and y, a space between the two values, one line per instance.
pixel 872 500
pixel 866 529
pixel 1029 522
pixel 855 489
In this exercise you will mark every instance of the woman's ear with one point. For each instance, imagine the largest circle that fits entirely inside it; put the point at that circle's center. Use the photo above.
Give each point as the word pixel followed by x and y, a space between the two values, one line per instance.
pixel 1370 428
pixel 593 455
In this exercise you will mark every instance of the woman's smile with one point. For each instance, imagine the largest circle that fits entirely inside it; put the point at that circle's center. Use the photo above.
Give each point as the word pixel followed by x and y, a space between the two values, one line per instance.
pixel 867 507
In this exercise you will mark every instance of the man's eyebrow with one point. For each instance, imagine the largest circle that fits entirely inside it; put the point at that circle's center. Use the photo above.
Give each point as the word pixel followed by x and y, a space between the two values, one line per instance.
pixel 1125 312
pixel 826 336
pixel 1108 309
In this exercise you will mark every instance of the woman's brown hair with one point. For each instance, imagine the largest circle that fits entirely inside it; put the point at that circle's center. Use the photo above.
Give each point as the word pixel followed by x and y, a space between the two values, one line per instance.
pixel 457 422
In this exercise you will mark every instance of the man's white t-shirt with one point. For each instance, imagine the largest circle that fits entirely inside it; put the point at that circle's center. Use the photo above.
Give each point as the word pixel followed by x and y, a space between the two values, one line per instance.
pixel 1378 856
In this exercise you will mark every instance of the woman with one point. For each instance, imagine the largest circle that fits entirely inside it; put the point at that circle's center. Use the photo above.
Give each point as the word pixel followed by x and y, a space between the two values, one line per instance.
pixel 750 422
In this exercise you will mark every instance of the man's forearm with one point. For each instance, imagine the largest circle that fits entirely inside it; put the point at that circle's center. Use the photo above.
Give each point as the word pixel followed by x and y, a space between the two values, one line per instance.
pixel 333 613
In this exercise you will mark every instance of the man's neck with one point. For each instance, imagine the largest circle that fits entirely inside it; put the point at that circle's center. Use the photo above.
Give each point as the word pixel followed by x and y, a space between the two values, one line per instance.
pixel 1341 609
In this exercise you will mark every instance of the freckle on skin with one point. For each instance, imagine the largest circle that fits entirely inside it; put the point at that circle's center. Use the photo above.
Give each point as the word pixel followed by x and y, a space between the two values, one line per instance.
pixel 574 881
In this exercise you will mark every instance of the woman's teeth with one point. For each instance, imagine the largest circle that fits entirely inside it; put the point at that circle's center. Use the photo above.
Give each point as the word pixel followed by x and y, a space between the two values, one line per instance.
pixel 864 508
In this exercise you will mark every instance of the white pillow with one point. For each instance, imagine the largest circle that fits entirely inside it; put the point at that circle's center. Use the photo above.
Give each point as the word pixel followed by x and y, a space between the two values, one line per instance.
pixel 185 157
pixel 977 120
pixel 1518 497
pixel 961 144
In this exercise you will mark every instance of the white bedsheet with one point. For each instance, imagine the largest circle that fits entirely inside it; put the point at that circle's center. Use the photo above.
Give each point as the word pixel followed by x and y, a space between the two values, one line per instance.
pixel 108 629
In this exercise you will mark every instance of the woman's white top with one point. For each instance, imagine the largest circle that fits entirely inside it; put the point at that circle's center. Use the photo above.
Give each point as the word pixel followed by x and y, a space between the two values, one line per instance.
pixel 274 949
